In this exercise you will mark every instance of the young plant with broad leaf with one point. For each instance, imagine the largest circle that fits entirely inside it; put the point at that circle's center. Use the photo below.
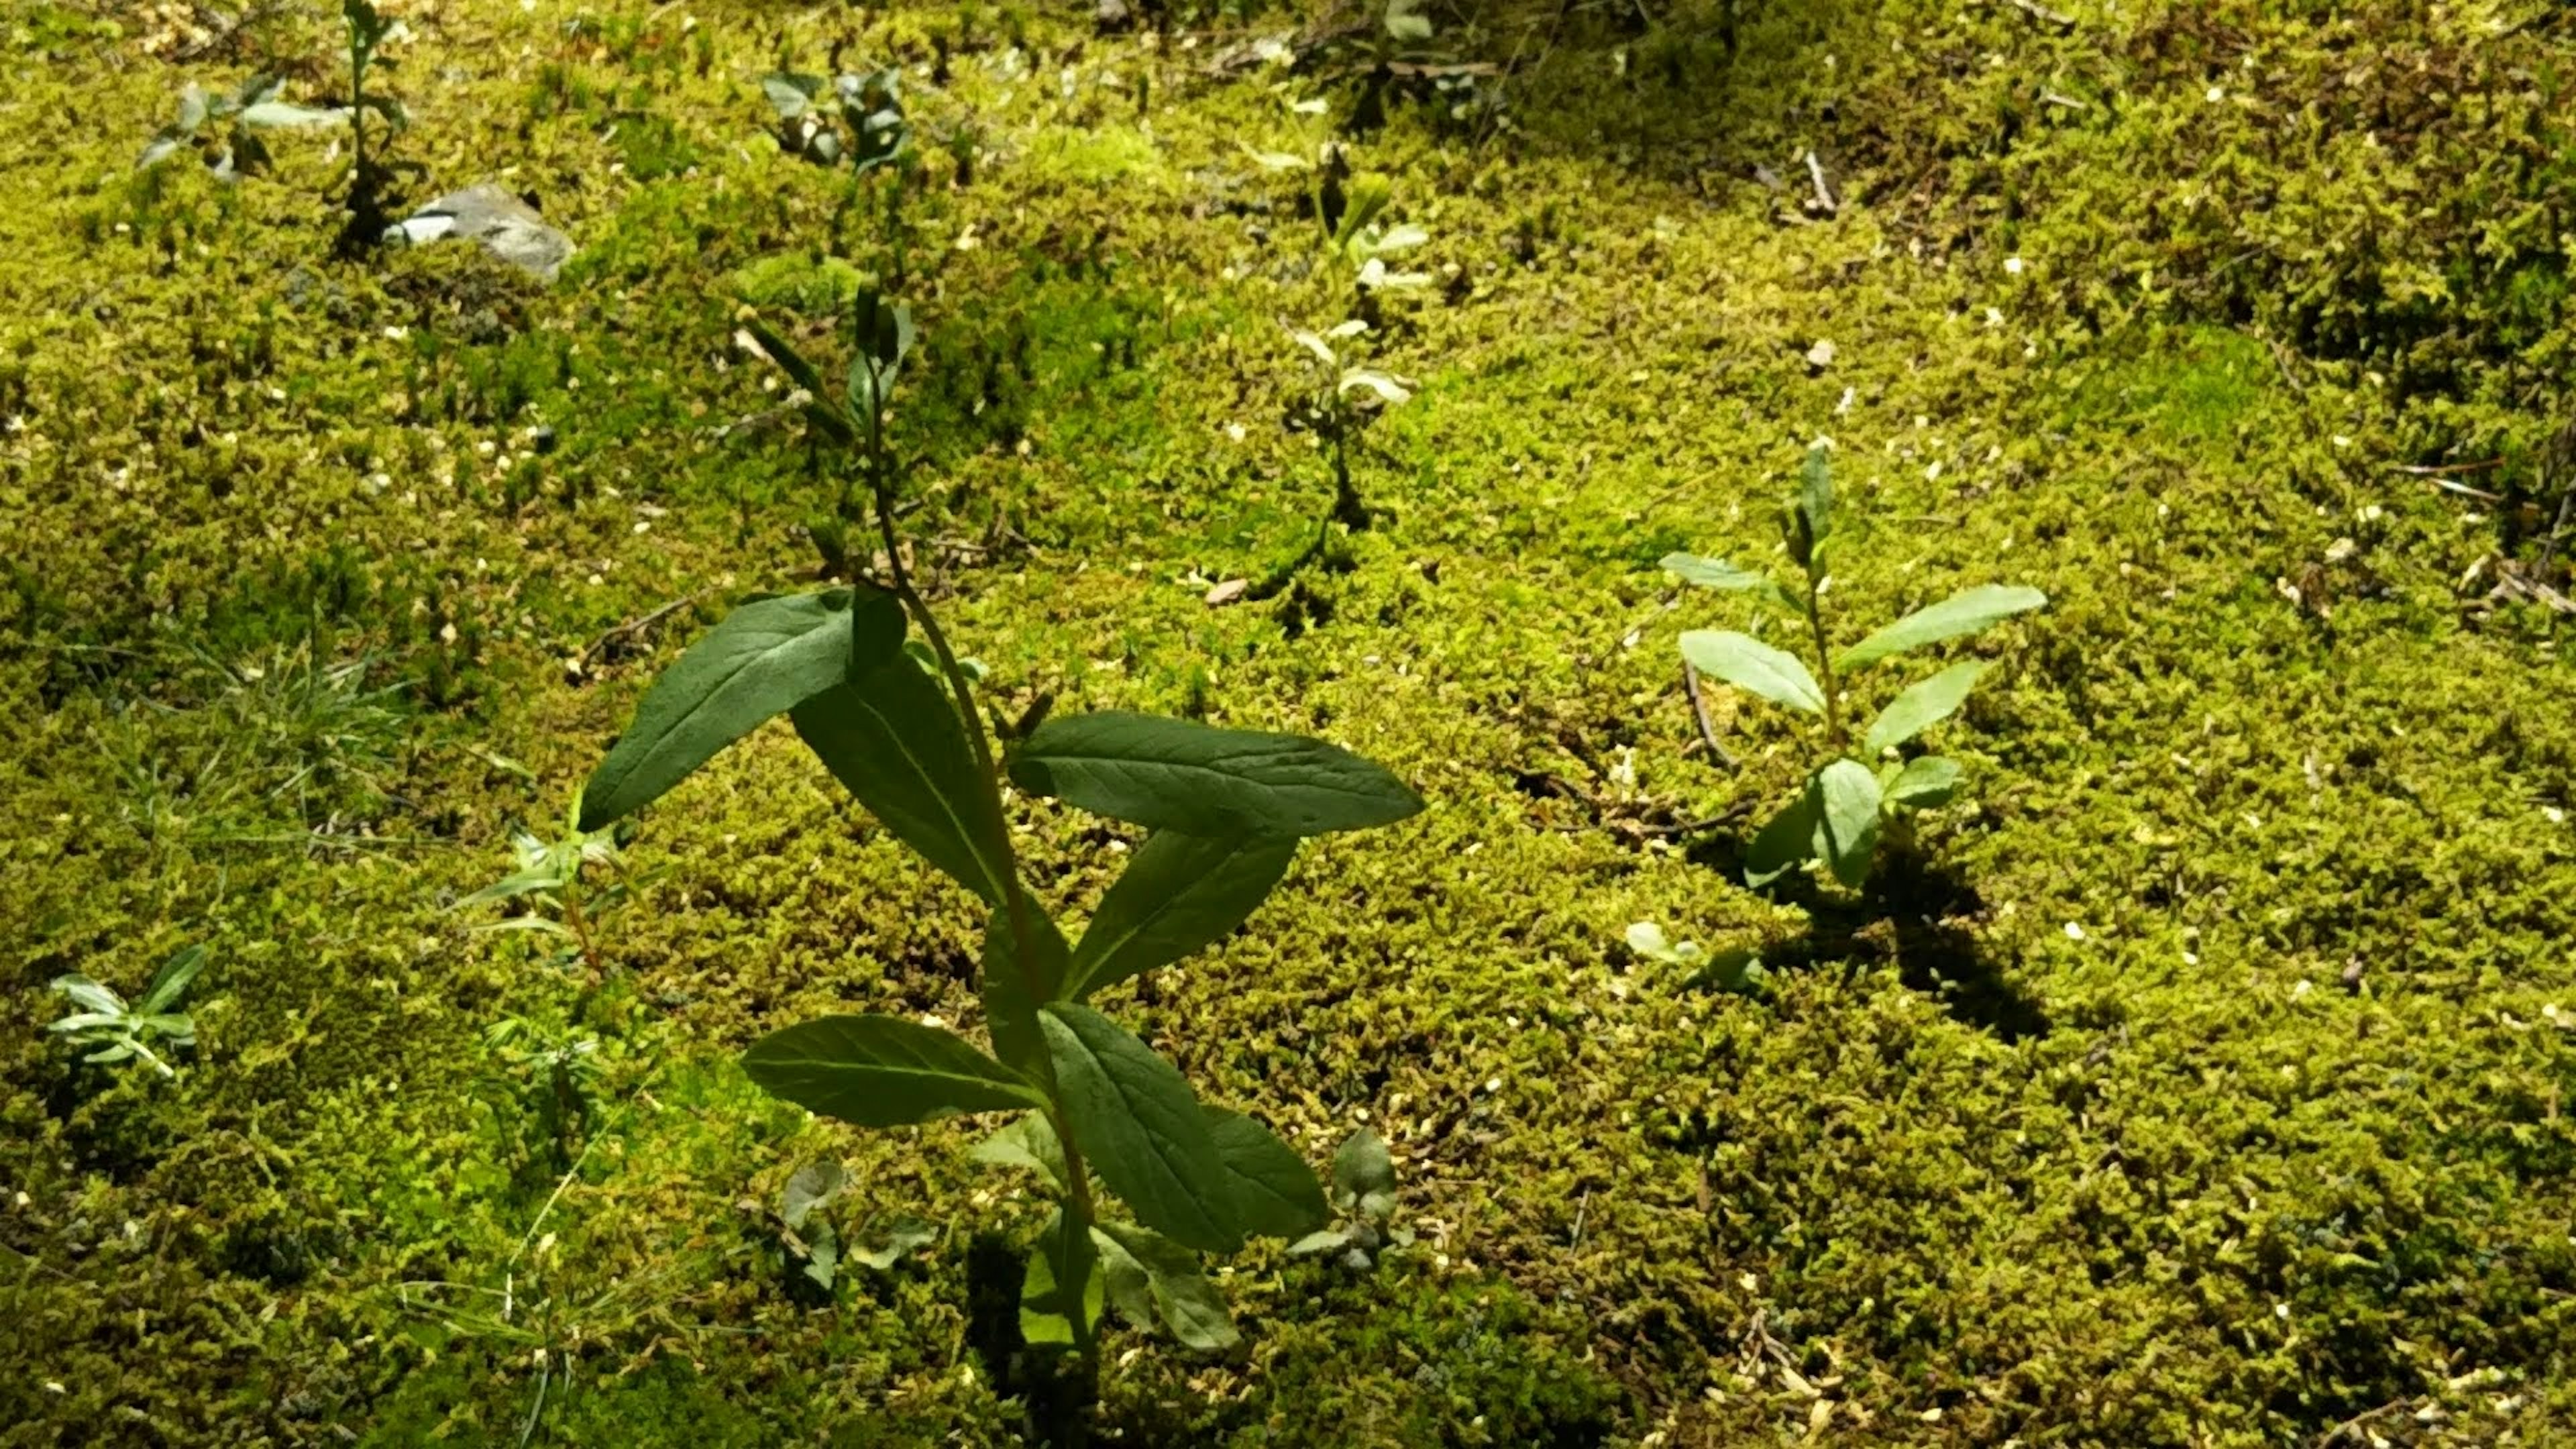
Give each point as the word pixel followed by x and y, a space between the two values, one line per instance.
pixel 1846 804
pixel 1097 1114
pixel 117 1032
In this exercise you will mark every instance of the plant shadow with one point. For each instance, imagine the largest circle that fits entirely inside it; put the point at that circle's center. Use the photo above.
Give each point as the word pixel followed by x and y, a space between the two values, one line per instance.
pixel 1916 912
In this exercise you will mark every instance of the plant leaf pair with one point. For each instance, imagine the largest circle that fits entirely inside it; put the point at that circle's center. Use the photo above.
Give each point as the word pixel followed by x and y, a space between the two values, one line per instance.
pixel 763 659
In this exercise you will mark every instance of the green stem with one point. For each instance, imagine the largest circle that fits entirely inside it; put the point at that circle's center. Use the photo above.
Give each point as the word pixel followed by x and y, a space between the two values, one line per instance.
pixel 1078 1204
pixel 1825 661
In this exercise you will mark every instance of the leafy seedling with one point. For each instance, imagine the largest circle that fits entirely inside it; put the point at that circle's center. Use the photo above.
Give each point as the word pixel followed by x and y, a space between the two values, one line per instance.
pixel 1365 242
pixel 552 1074
pixel 1338 403
pixel 1095 1106
pixel 854 118
pixel 551 873
pixel 116 1031
pixel 1843 807
pixel 371 176
pixel 1364 1199
pixel 1736 969
pixel 229 131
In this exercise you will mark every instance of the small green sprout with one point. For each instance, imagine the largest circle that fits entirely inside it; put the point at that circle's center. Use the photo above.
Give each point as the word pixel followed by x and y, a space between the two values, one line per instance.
pixel 1839 813
pixel 118 1031
pixel 1364 1195
pixel 1736 969
pixel 552 871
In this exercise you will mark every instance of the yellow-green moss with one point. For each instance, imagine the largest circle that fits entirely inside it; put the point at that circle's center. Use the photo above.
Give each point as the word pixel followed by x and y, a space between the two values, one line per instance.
pixel 2200 1084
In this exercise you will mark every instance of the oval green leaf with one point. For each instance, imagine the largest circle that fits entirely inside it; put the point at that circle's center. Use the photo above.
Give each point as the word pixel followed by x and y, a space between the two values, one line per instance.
pixel 1180 1293
pixel 896 743
pixel 1753 666
pixel 1925 782
pixel 1921 706
pixel 1788 840
pixel 1013 988
pixel 1172 774
pixel 1847 800
pixel 1135 1119
pixel 1179 894
pixel 766 657
pixel 1964 612
pixel 883 1071
pixel 1275 1192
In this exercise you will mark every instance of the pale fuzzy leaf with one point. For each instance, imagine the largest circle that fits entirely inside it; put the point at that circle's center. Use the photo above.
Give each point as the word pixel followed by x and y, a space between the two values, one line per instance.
pixel 1965 612
pixel 1920 707
pixel 1753 666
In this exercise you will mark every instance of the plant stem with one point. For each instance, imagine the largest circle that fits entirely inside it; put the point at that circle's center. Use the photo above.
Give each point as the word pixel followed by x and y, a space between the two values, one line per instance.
pixel 1078 1205
pixel 1825 661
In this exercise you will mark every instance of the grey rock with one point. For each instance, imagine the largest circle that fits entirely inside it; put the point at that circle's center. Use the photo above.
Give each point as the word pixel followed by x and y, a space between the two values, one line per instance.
pixel 500 223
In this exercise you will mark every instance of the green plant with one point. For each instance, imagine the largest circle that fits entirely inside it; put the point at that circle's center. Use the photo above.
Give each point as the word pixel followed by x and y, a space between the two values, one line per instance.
pixel 1841 810
pixel 1737 969
pixel 552 1076
pixel 1337 405
pixel 1364 1195
pixel 873 129
pixel 1224 811
pixel 551 871
pixel 811 1241
pixel 369 173
pixel 244 115
pixel 118 1031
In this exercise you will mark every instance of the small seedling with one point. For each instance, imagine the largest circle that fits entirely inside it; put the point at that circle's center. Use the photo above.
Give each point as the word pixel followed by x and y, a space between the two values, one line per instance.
pixel 1361 239
pixel 228 130
pixel 872 131
pixel 1737 969
pixel 1840 812
pixel 1338 404
pixel 118 1031
pixel 370 174
pixel 1364 1196
pixel 551 871
pixel 1224 811
pixel 811 1240
pixel 554 1073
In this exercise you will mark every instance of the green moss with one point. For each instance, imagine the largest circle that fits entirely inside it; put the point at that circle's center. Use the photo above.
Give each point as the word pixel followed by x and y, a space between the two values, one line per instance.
pixel 2270 1138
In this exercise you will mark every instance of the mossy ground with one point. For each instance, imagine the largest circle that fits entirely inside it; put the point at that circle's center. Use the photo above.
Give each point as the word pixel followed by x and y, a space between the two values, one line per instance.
pixel 2197 1082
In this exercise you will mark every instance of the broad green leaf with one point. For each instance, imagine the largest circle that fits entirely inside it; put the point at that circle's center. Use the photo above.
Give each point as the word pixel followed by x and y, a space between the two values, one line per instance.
pixel 883 1071
pixel 1130 1288
pixel 1029 1142
pixel 1964 612
pixel 766 657
pixel 279 115
pixel 904 1235
pixel 1322 1240
pixel 1753 666
pixel 813 1186
pixel 790 95
pixel 1816 495
pixel 1925 782
pixel 1134 1118
pixel 1275 1192
pixel 1364 1175
pixel 91 994
pixel 1920 707
pixel 1788 841
pixel 1179 893
pixel 896 742
pixel 1014 989
pixel 1048 1313
pixel 1172 774
pixel 1710 573
pixel 1187 1302
pixel 1847 819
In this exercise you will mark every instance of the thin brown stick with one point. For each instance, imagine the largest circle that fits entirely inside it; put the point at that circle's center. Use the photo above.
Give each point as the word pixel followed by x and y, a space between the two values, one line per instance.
pixel 1699 712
